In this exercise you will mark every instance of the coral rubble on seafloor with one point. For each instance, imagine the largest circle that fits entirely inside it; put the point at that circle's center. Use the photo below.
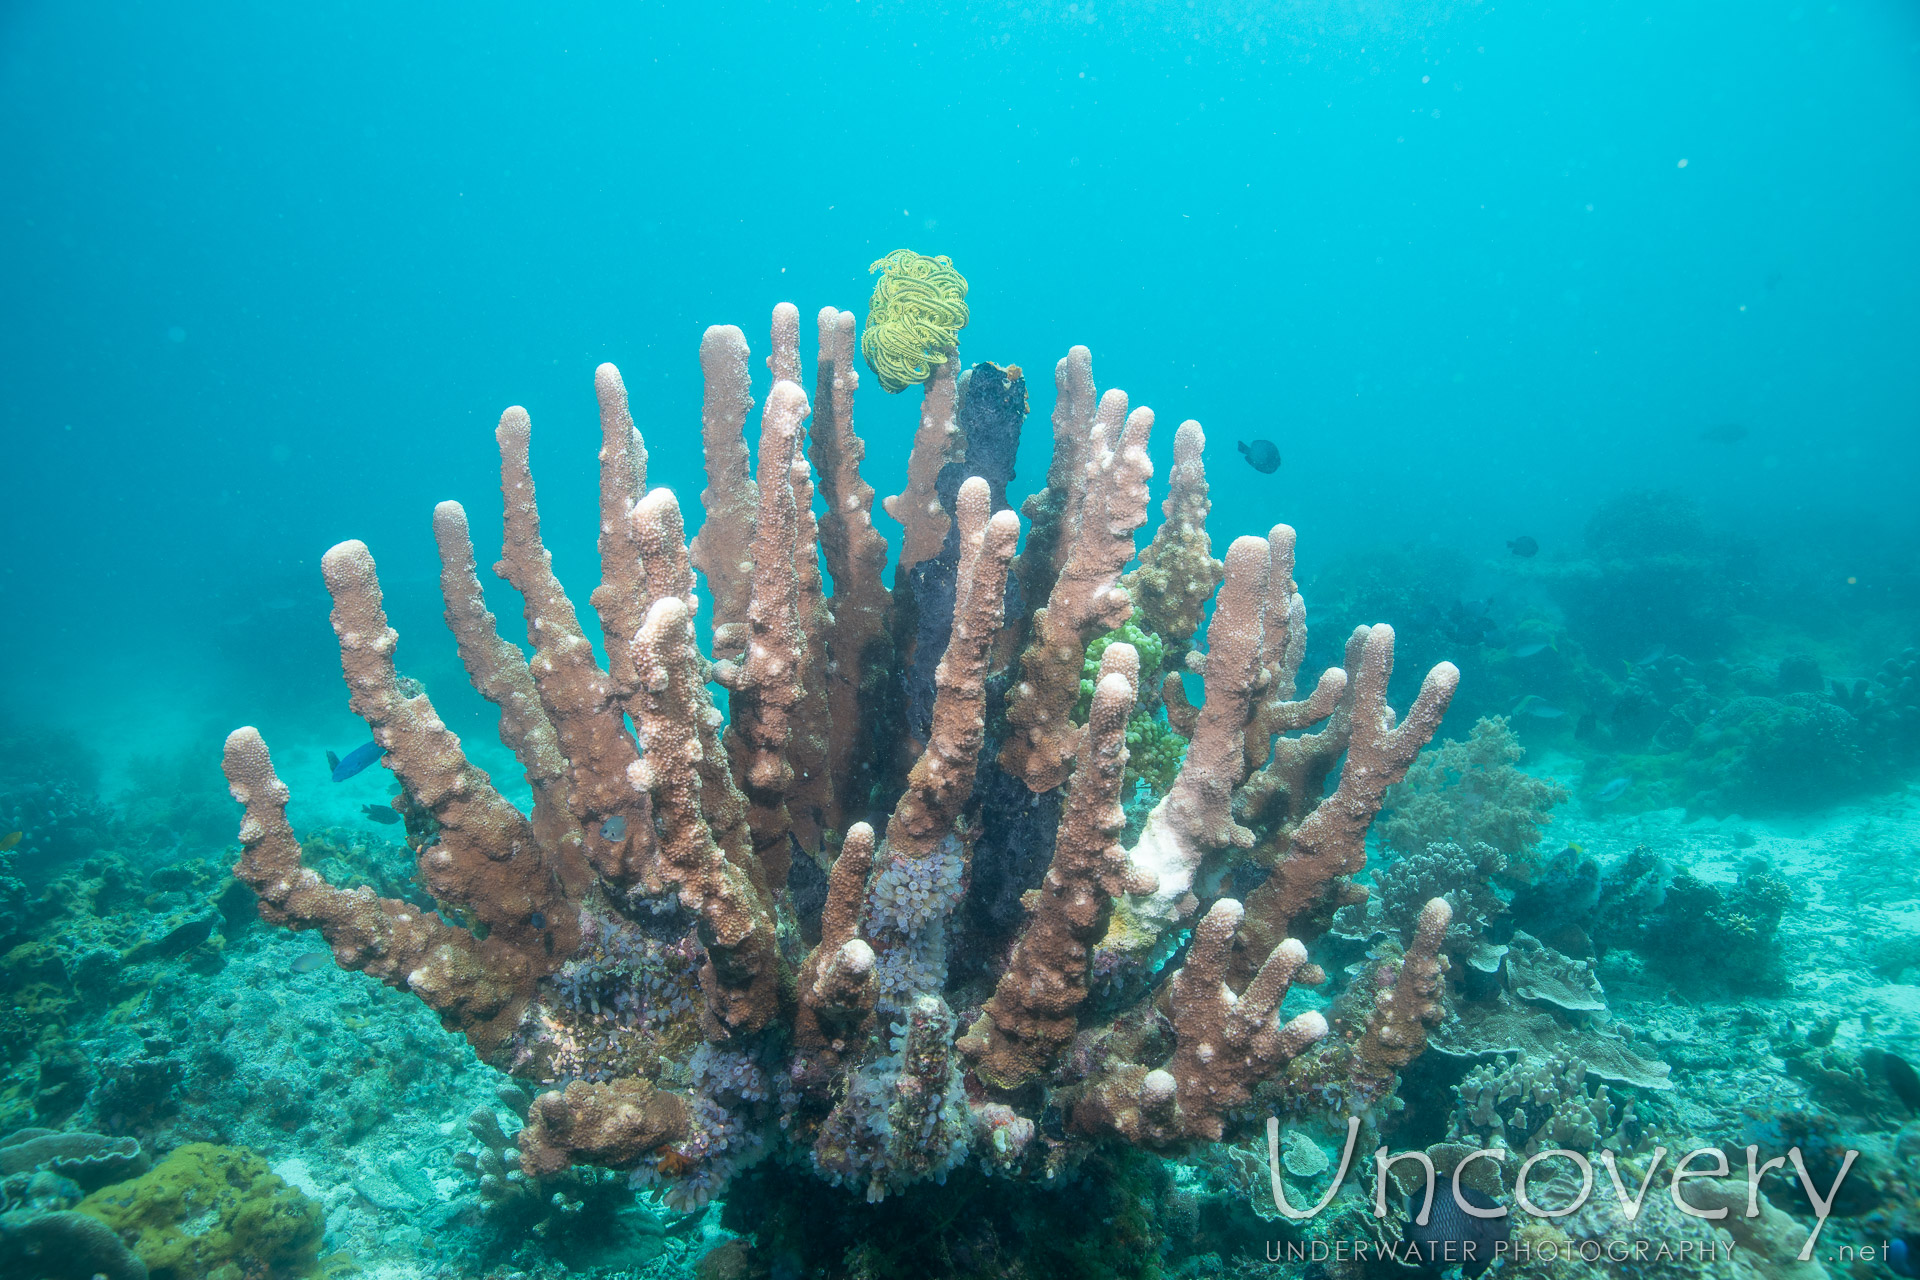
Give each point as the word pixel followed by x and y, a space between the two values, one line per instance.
pixel 642 935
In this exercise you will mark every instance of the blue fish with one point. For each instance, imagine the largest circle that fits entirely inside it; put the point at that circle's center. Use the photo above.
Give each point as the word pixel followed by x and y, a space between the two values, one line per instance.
pixel 356 760
pixel 1613 790
pixel 613 828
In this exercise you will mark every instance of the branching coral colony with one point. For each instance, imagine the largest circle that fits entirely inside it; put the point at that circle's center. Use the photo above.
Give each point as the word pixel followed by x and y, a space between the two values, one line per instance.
pixel 718 939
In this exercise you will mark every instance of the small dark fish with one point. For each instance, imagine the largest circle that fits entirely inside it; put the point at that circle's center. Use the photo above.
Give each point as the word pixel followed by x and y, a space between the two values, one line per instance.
pixel 1452 1235
pixel 613 828
pixel 310 961
pixel 185 938
pixel 1524 547
pixel 1904 1080
pixel 355 760
pixel 1613 790
pixel 385 814
pixel 11 839
pixel 1901 1256
pixel 1724 433
pixel 1529 649
pixel 537 920
pixel 1262 455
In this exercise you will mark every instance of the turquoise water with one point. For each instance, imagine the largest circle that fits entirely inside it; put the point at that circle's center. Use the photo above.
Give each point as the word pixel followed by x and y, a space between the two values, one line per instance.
pixel 1631 286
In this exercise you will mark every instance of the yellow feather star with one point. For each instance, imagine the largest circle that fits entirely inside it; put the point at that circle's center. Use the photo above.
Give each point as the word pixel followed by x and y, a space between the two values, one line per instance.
pixel 914 322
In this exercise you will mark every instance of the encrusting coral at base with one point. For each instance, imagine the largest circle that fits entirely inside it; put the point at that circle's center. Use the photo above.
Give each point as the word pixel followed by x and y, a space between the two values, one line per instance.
pixel 883 755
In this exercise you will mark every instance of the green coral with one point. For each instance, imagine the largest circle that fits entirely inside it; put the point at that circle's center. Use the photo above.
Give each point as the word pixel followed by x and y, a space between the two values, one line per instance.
pixel 1151 648
pixel 1154 753
pixel 914 321
pixel 213 1213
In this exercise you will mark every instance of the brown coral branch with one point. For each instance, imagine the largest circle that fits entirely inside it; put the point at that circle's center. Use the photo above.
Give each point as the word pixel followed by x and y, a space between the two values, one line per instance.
pixel 1226 1044
pixel 1195 817
pixel 1056 508
pixel 578 696
pixel 1396 1030
pixel 659 530
pixel 1177 573
pixel 1086 600
pixel 1033 1013
pixel 486 859
pixel 811 802
pixel 860 645
pixel 623 478
pixel 765 684
pixel 723 549
pixel 1289 774
pixel 837 985
pixel 498 672
pixel 741 978
pixel 923 521
pixel 1331 841
pixel 941 781
pixel 477 986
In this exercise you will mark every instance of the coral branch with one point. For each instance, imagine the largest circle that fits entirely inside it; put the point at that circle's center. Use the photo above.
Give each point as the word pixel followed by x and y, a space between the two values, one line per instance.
pixel 499 674
pixel 1402 1012
pixel 837 983
pixel 741 978
pixel 1177 572
pixel 1032 1015
pixel 942 779
pixel 811 802
pixel 1086 599
pixel 623 478
pixel 1196 817
pixel 1226 1045
pixel 917 507
pixel 723 550
pixel 476 986
pixel 658 529
pixel 577 694
pixel 1056 509
pixel 766 683
pixel 860 644
pixel 486 858
pixel 1331 841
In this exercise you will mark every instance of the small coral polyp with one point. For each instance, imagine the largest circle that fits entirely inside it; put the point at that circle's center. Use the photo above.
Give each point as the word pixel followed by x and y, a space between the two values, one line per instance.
pixel 641 936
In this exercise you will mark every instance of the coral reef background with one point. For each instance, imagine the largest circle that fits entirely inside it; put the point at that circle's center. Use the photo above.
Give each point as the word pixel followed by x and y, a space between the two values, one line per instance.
pixel 1479 274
